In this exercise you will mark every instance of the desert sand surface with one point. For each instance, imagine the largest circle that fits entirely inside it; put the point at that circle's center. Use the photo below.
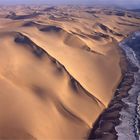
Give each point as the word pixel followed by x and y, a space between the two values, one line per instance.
pixel 59 68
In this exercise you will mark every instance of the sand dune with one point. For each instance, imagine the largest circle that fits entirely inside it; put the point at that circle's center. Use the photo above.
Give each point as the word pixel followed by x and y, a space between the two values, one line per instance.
pixel 57 76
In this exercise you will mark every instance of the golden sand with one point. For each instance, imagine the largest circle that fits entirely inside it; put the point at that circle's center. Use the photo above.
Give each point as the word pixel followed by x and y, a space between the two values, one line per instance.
pixel 59 69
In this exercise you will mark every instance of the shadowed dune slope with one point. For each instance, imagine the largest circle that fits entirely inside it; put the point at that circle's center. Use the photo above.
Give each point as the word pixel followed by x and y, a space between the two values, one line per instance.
pixel 57 75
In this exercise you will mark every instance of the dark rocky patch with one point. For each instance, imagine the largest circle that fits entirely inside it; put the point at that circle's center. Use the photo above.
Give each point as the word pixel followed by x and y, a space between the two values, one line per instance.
pixel 119 13
pixel 49 9
pixel 106 29
pixel 99 36
pixel 51 29
pixel 91 12
pixel 28 24
pixel 73 84
pixel 37 51
pixel 13 16
pixel 103 27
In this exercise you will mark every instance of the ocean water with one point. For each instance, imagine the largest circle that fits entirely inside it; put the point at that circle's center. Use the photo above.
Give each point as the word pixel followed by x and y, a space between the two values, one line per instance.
pixel 129 129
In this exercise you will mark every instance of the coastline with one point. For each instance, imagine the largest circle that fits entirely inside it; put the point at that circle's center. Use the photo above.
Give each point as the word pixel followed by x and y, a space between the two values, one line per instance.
pixel 104 127
pixel 130 119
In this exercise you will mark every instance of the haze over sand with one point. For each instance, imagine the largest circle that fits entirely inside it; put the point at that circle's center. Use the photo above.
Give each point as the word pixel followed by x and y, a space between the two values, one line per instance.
pixel 59 68
pixel 122 3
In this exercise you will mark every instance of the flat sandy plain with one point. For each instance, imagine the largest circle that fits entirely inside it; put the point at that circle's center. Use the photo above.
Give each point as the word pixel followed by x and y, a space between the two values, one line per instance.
pixel 59 68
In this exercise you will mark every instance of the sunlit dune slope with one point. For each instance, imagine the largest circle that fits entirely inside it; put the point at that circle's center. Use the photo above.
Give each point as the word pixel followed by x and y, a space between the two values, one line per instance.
pixel 57 75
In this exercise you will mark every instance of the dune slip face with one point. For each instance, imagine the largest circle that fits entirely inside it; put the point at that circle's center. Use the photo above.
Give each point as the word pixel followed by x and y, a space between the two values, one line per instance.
pixel 59 69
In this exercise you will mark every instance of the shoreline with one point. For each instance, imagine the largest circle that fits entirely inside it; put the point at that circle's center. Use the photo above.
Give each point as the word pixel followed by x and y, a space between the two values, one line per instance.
pixel 129 128
pixel 104 127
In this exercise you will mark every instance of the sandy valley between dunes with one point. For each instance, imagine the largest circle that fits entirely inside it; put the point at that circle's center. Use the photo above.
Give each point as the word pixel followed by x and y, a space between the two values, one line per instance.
pixel 59 68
